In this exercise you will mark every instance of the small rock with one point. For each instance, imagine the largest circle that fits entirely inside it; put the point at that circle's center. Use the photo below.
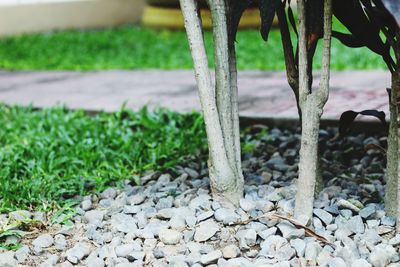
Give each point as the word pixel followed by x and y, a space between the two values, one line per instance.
pixel 247 238
pixel 170 237
pixel 382 254
pixel 205 231
pixel 247 204
pixel 77 253
pixel 94 216
pixel 86 204
pixel 268 232
pixel 20 215
pixel 360 263
pixel 356 225
pixel 123 223
pixel 43 241
pixel 325 216
pixel 388 221
pixel 312 250
pixel 395 240
pixel 211 257
pixel 108 193
pixel 367 212
pixel 336 262
pixel 21 254
pixel 373 223
pixel 124 250
pixel 226 216
pixel 137 255
pixel 230 252
pixel 205 215
pixel 299 245
pixel 136 199
pixel 95 262
pixel 344 204
pixel 60 242
pixel 50 261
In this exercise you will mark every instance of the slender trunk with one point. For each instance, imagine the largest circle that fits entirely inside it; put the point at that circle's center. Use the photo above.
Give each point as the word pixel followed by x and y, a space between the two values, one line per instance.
pixel 392 152
pixel 216 101
pixel 311 104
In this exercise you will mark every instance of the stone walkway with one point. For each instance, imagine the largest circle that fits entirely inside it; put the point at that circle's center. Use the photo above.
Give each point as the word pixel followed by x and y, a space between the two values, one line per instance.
pixel 262 94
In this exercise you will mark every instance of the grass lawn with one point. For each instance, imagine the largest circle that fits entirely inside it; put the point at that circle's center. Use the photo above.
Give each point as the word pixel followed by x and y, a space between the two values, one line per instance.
pixel 49 156
pixel 135 47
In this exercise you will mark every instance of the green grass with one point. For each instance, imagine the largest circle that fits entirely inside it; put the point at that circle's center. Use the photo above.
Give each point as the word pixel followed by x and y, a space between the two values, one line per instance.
pixel 135 47
pixel 49 156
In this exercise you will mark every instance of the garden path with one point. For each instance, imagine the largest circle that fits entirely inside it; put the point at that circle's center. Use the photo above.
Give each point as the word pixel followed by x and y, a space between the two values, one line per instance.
pixel 262 94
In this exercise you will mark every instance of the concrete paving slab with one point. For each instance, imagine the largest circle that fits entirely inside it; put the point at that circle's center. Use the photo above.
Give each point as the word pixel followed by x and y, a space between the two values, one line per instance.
pixel 261 94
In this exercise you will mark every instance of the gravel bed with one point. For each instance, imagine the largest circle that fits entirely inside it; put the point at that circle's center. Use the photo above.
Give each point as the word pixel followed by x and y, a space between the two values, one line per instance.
pixel 172 220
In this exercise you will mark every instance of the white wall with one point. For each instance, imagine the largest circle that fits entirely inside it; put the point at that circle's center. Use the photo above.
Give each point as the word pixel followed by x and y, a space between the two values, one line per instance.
pixel 24 16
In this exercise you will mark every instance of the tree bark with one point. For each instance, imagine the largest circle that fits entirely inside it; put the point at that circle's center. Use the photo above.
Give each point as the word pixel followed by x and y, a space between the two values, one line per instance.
pixel 311 104
pixel 217 102
pixel 391 194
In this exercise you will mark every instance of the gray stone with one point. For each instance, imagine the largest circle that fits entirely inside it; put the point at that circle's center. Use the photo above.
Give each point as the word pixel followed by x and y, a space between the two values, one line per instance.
pixel 86 204
pixel 325 216
pixel 226 216
pixel 388 221
pixel 169 236
pixel 395 240
pixel 368 211
pixel 268 232
pixel 205 215
pixel 299 245
pixel 344 204
pixel 383 229
pixel 230 251
pixel 177 222
pixel 312 250
pixel 50 261
pixel 371 236
pixel 373 223
pixel 273 245
pixel 108 193
pixel 60 242
pixel 94 216
pixel 360 263
pixel 95 262
pixel 136 255
pixel 123 223
pixel 382 254
pixel 164 203
pixel 247 238
pixel 191 221
pixel 67 264
pixel 336 262
pixel 247 204
pixel 20 215
pixel 77 252
pixel 286 228
pixel 21 254
pixel 192 173
pixel 124 250
pixel 136 199
pixel 205 230
pixel 346 213
pixel 356 225
pixel 211 257
pixel 332 227
pixel 43 241
pixel 40 216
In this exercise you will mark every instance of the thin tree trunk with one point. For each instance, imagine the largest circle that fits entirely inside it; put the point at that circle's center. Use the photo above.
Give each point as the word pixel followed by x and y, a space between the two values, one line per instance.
pixel 391 197
pixel 216 101
pixel 311 105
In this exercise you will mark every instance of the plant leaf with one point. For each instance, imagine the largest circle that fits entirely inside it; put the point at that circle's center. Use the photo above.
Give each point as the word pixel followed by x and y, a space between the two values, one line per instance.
pixel 347 39
pixel 267 13
pixel 348 117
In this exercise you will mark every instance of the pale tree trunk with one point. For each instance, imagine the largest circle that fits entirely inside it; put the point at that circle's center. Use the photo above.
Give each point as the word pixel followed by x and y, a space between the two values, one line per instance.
pixel 219 103
pixel 391 197
pixel 311 104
